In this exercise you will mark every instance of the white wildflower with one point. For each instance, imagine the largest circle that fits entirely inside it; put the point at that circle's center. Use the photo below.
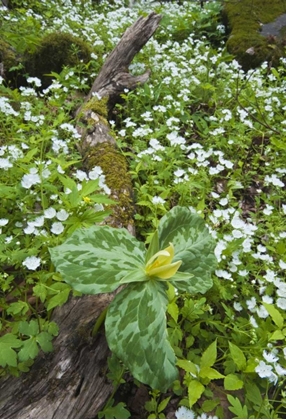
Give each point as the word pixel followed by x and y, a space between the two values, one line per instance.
pixel 57 228
pixel 32 263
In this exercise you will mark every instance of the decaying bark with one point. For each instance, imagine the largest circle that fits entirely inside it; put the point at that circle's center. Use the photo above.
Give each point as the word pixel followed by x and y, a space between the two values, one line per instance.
pixel 71 382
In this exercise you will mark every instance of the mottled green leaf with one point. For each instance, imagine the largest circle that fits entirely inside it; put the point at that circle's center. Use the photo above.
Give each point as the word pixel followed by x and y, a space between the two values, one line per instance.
pixel 136 332
pixel 193 245
pixel 94 260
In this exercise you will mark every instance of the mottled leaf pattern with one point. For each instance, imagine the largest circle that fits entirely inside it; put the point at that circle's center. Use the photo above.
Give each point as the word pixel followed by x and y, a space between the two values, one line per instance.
pixel 136 332
pixel 94 260
pixel 193 245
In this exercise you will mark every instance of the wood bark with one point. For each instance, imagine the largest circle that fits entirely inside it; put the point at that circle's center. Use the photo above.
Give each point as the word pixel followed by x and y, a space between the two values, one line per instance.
pixel 71 381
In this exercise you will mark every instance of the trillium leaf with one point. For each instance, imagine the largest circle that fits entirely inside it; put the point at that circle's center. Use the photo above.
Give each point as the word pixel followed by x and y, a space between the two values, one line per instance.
pixel 94 260
pixel 193 245
pixel 136 332
pixel 134 276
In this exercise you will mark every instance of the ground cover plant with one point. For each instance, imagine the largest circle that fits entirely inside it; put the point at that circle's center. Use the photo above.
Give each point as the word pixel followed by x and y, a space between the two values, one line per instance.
pixel 201 134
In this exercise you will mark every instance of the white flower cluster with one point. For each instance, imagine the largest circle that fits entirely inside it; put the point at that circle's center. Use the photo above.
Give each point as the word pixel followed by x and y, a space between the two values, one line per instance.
pixel 271 370
pixel 186 413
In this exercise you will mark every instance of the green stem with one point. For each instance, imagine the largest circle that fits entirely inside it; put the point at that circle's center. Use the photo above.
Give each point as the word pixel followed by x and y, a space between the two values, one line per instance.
pixel 100 320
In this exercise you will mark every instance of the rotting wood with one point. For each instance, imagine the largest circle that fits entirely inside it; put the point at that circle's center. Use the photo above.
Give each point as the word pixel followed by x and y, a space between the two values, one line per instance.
pixel 71 381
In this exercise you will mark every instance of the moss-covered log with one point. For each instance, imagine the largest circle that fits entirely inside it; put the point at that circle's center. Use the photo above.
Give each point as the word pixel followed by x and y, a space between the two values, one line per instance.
pixel 245 19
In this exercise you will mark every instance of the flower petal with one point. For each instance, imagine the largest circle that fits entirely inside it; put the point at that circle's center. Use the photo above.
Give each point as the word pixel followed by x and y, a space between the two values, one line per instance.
pixel 166 271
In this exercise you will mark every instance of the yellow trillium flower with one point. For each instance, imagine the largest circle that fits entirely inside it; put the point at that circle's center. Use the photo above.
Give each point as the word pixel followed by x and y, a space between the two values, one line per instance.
pixel 160 265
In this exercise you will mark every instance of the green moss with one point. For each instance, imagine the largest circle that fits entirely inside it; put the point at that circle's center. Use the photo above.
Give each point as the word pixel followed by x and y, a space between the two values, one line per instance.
pixel 55 51
pixel 117 178
pixel 99 106
pixel 244 19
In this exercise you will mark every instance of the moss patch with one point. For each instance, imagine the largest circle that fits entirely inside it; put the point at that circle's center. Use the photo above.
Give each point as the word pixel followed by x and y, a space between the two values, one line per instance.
pixel 55 51
pixel 99 106
pixel 244 18
pixel 117 178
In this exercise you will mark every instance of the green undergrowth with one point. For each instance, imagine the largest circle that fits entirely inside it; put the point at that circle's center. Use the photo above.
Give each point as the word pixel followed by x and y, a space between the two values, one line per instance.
pixel 202 134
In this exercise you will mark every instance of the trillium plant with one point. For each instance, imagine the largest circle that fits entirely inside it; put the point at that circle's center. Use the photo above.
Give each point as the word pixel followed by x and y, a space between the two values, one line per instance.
pixel 99 259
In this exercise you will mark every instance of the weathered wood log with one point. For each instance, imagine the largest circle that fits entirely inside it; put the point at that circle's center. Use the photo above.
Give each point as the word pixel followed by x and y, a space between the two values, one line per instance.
pixel 70 382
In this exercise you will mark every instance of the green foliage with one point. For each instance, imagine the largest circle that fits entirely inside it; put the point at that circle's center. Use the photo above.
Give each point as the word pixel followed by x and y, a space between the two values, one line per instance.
pixel 202 134
pixel 99 259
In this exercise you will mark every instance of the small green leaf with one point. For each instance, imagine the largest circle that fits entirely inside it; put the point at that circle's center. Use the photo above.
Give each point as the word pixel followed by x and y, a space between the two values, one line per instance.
pixel 44 340
pixel 8 356
pixel 275 315
pixel 237 356
pixel 136 332
pixel 40 291
pixel 277 335
pixel 94 260
pixel 195 390
pixel 188 366
pixel 173 310
pixel 210 405
pixel 53 328
pixel 232 382
pixel 17 307
pixel 253 393
pixel 59 299
pixel 209 356
pixel 210 373
pixel 29 350
pixel 240 411
pixel 117 412
pixel 88 187
pixel 163 404
pixel 29 328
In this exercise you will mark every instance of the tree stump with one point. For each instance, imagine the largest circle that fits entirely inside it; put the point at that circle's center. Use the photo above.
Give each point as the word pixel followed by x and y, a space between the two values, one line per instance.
pixel 70 382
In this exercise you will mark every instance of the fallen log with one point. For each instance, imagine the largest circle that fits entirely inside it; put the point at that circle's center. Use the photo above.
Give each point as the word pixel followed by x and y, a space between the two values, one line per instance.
pixel 70 382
